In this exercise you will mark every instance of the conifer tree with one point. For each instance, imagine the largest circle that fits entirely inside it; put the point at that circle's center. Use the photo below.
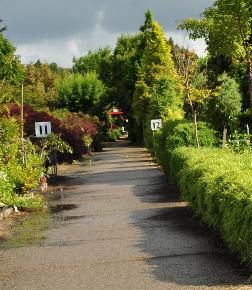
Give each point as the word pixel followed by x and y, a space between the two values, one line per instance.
pixel 157 93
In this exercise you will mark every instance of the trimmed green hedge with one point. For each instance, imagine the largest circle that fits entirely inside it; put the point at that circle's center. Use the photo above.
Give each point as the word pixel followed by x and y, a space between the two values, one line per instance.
pixel 218 186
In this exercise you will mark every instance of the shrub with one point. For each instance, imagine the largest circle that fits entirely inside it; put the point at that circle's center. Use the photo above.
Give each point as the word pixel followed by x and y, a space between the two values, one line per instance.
pixel 218 186
pixel 18 177
pixel 113 135
pixel 70 126
pixel 182 133
pixel 240 142
pixel 176 134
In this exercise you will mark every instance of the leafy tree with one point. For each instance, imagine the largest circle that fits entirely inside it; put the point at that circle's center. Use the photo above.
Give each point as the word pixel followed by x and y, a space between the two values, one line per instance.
pixel 195 83
pixel 80 93
pixel 40 85
pixel 55 68
pixel 157 93
pixel 124 76
pixel 124 71
pixel 227 29
pixel 98 61
pixel 228 102
pixel 11 69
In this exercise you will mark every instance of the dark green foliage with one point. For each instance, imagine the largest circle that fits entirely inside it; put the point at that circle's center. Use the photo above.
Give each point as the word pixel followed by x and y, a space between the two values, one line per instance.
pixel 124 70
pixel 3 28
pixel 11 69
pixel 95 61
pixel 148 21
pixel 113 135
pixel 218 187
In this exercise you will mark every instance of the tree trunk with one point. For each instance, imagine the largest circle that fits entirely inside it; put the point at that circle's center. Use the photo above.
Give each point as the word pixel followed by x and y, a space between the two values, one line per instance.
pixel 224 141
pixel 196 128
pixel 250 84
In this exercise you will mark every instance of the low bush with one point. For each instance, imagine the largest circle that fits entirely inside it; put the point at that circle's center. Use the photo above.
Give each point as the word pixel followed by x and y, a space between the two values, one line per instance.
pixel 218 186
pixel 113 135
pixel 70 126
pixel 181 133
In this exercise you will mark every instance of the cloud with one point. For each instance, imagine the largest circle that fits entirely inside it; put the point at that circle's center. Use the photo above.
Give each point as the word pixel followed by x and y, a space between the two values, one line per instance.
pixel 63 50
pixel 57 30
pixel 182 39
pixel 30 21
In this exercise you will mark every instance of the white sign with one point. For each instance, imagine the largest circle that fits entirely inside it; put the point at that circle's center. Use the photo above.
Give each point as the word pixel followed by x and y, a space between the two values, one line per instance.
pixel 156 124
pixel 43 129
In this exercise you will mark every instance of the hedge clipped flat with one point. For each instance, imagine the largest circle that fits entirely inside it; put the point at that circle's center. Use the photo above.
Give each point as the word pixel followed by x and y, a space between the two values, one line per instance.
pixel 218 186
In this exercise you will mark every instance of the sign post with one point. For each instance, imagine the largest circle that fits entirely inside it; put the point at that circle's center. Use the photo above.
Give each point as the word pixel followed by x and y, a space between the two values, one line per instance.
pixel 155 125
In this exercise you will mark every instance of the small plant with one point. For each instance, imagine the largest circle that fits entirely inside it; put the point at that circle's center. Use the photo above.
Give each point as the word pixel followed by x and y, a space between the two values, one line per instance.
pixel 54 142
pixel 240 142
pixel 88 140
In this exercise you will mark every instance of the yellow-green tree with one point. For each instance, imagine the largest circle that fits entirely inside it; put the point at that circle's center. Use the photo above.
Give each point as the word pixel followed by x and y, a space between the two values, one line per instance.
pixel 227 29
pixel 40 84
pixel 157 90
pixel 195 84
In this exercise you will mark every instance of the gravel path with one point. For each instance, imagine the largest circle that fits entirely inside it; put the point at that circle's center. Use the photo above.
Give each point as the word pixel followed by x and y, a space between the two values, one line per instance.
pixel 116 224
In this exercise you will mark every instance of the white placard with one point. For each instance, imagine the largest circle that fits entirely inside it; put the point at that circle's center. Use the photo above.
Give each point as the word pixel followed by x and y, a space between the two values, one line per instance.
pixel 42 129
pixel 156 124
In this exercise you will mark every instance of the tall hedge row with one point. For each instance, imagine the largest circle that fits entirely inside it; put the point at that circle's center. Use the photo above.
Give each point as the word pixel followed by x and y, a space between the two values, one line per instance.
pixel 218 186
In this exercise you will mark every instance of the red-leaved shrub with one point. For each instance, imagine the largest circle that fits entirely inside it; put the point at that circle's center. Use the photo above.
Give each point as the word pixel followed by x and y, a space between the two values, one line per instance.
pixel 72 128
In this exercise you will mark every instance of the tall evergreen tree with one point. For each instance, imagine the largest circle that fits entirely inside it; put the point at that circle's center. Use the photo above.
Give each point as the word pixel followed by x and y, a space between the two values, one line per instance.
pixel 157 93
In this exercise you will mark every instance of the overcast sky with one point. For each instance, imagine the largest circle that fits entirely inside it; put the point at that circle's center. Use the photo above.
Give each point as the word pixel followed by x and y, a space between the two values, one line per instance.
pixel 58 30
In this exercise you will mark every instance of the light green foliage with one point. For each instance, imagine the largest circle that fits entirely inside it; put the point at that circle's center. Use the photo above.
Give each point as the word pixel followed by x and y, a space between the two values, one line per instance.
pixel 88 140
pixel 240 142
pixel 80 93
pixel 228 101
pixel 226 27
pixel 113 135
pixel 21 167
pixel 60 113
pixel 217 184
pixel 53 142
